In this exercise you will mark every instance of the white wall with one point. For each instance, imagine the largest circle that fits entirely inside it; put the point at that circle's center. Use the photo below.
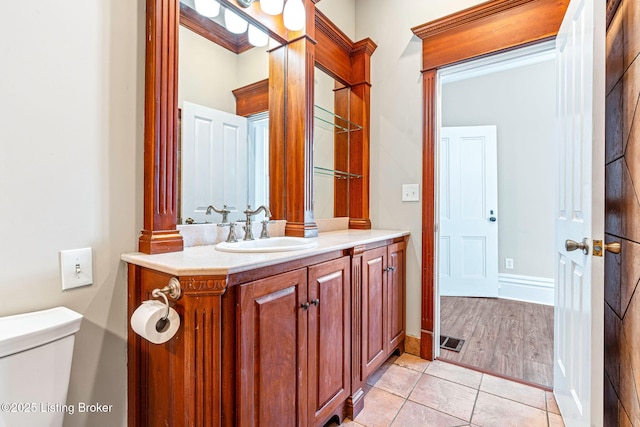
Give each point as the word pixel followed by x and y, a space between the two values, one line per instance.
pixel 72 85
pixel 207 72
pixel 396 120
pixel 521 102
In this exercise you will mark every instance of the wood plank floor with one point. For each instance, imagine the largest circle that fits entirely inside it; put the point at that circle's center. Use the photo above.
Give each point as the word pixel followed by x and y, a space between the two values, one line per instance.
pixel 502 336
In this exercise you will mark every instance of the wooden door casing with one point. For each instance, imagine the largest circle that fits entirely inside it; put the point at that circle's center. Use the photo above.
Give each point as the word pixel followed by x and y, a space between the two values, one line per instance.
pixel 329 338
pixel 484 29
pixel 272 346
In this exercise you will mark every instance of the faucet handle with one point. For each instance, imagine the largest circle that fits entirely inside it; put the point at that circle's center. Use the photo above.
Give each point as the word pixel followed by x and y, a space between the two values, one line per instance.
pixel 265 230
pixel 231 238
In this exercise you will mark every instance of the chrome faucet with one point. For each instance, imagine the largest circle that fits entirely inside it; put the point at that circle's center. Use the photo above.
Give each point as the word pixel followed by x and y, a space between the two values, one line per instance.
pixel 224 212
pixel 248 233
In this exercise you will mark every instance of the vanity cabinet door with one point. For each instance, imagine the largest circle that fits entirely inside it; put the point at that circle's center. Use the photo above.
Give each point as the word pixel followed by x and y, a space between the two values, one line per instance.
pixel 329 337
pixel 272 346
pixel 374 308
pixel 395 294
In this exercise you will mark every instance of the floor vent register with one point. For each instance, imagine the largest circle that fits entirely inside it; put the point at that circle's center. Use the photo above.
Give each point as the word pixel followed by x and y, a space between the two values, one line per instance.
pixel 450 343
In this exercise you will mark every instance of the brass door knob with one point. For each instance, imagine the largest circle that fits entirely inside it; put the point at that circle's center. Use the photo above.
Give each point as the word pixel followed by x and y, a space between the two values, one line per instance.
pixel 614 248
pixel 598 246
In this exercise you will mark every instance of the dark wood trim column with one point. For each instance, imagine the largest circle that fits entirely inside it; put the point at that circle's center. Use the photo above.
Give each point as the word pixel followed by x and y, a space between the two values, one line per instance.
pixel 355 403
pixel 277 120
pixel 428 213
pixel 359 153
pixel 298 153
pixel 160 130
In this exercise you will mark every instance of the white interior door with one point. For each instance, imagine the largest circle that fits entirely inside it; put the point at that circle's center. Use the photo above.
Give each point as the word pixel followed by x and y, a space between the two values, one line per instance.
pixel 214 162
pixel 579 308
pixel 468 237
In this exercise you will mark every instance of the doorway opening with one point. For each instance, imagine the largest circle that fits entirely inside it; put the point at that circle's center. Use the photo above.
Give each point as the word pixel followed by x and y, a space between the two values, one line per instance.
pixel 495 238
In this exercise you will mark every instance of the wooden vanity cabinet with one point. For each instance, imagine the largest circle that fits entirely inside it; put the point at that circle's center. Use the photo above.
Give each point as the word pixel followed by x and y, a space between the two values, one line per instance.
pixel 383 290
pixel 294 346
pixel 290 344
pixel 381 306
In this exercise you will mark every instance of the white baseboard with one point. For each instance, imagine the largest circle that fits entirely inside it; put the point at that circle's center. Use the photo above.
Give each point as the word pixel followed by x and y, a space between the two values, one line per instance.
pixel 539 290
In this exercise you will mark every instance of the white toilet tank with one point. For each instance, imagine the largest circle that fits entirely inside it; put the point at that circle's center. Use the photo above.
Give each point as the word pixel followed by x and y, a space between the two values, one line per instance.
pixel 35 364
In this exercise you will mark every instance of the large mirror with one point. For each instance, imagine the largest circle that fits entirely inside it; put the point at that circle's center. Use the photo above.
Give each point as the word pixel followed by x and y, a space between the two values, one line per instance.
pixel 223 157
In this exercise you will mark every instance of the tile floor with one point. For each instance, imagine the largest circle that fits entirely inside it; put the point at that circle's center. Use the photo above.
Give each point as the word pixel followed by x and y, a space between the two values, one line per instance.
pixel 411 392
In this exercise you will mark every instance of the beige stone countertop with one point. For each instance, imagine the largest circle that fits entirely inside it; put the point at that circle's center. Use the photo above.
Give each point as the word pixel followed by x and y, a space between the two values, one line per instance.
pixel 206 260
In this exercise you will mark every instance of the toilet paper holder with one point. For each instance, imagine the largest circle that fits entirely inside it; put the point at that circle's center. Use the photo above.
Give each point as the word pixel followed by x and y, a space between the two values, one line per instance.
pixel 175 292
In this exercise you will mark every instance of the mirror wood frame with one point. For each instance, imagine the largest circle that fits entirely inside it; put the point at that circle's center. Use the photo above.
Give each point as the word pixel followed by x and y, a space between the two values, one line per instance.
pixel 485 29
pixel 291 166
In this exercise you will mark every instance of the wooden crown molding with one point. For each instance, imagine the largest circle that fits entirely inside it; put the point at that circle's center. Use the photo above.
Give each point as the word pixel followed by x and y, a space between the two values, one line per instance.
pixel 331 31
pixel 337 54
pixel 466 16
pixel 366 46
pixel 335 34
pixel 212 31
pixel 252 99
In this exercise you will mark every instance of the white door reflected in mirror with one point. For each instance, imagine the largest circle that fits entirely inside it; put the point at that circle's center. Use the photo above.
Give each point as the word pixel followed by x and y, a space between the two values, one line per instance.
pixel 222 162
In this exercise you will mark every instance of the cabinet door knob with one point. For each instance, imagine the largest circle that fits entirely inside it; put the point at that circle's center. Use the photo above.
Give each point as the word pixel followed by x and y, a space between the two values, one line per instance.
pixel 304 306
pixel 390 269
pixel 315 302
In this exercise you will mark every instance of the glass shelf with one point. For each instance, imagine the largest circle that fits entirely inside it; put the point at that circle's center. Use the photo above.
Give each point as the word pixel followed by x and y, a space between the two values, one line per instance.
pixel 335 173
pixel 343 125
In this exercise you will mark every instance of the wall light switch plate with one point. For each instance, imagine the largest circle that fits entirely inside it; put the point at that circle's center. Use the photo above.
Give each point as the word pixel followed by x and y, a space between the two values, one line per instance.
pixel 410 193
pixel 76 268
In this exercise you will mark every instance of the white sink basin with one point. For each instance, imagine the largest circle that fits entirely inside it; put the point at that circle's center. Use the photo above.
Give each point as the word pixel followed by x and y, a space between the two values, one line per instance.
pixel 272 244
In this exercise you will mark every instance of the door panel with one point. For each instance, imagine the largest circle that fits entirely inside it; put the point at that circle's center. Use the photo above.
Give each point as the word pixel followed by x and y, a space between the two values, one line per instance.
pixel 329 336
pixel 273 351
pixel 396 291
pixel 374 283
pixel 579 312
pixel 468 199
pixel 214 162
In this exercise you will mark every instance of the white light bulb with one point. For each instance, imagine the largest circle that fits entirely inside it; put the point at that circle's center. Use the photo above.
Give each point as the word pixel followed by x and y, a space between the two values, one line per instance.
pixel 257 37
pixel 208 8
pixel 271 7
pixel 294 15
pixel 234 23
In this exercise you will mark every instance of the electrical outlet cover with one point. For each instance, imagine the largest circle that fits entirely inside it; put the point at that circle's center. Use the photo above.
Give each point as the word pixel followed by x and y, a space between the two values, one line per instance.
pixel 76 268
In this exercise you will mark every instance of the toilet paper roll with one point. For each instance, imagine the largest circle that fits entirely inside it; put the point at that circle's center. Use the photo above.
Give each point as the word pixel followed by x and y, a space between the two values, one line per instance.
pixel 146 317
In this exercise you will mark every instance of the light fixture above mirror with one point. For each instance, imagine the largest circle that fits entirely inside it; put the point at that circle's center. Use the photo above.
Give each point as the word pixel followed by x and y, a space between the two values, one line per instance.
pixel 234 23
pixel 208 8
pixel 271 7
pixel 293 13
